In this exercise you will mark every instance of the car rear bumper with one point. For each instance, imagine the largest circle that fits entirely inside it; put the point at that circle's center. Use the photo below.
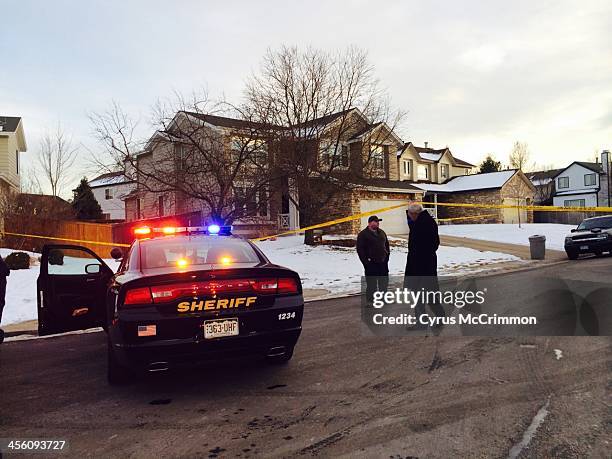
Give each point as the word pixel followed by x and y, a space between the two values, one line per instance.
pixel 176 352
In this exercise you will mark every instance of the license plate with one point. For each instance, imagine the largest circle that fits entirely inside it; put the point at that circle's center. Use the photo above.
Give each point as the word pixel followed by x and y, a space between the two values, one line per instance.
pixel 220 328
pixel 584 247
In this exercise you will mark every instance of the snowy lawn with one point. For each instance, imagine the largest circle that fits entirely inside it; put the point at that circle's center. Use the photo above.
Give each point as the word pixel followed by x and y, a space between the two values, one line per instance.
pixel 339 270
pixel 336 269
pixel 512 234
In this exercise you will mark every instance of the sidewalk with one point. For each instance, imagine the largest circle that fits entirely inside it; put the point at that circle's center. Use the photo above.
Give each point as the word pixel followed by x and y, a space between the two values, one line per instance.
pixel 521 251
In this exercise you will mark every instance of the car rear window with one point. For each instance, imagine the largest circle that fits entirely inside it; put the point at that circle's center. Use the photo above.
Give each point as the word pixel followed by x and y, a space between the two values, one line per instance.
pixel 603 223
pixel 195 250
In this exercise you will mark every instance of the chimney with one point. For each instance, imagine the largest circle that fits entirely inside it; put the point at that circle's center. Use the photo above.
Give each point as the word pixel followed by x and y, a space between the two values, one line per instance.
pixel 605 161
pixel 426 144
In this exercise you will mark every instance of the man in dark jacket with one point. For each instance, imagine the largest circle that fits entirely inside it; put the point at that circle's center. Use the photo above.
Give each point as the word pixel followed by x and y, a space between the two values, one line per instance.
pixel 373 250
pixel 4 272
pixel 422 262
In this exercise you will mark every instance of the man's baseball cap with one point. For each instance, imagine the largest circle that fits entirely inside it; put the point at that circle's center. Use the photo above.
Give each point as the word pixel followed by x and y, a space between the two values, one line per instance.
pixel 374 218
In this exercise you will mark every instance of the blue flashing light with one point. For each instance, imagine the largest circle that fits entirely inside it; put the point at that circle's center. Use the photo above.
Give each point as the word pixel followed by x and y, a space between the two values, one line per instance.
pixel 214 229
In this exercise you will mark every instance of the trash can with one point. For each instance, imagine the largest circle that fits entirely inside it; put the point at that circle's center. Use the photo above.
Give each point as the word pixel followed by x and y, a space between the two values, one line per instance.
pixel 537 246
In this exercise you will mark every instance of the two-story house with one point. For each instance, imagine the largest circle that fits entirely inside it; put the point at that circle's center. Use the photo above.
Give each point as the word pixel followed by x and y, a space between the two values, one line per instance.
pixel 343 147
pixel 424 164
pixel 12 144
pixel 584 184
pixel 110 190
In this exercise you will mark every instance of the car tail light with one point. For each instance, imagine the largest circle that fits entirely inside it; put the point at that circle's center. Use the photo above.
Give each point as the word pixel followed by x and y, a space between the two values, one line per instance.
pixel 287 285
pixel 167 293
pixel 138 296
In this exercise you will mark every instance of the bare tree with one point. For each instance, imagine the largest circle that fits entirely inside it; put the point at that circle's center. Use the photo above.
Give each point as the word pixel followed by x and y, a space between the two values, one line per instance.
pixel 221 166
pixel 56 158
pixel 322 99
pixel 519 156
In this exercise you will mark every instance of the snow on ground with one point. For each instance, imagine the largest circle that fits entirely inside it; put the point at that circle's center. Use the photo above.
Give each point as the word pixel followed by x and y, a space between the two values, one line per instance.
pixel 511 233
pixel 339 270
pixel 321 267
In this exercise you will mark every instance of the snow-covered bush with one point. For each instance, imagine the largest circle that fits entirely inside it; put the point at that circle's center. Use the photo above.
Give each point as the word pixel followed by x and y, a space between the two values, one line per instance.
pixel 18 260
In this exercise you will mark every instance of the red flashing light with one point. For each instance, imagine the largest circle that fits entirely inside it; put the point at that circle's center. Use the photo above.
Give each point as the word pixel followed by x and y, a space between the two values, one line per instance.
pixel 142 231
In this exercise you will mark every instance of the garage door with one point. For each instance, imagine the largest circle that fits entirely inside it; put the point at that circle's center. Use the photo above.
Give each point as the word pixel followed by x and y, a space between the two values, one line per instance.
pixel 394 221
pixel 512 215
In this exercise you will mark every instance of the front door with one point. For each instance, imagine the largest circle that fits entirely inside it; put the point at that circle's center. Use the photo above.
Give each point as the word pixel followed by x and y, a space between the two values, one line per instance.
pixel 71 289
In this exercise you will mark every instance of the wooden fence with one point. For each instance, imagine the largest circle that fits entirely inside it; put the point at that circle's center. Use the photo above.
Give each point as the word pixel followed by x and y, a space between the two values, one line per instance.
pixel 99 237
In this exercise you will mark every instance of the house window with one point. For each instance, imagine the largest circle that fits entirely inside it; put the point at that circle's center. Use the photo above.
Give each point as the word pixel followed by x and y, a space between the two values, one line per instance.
pixel 444 171
pixel 334 155
pixel 423 172
pixel 253 203
pixel 407 167
pixel 108 193
pixel 179 155
pixel 574 203
pixel 139 208
pixel 377 154
pixel 589 180
pixel 255 150
pixel 160 205
pixel 563 182
pixel 17 161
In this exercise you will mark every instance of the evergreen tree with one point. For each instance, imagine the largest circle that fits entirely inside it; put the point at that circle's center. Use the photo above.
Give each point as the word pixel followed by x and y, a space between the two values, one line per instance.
pixel 490 165
pixel 84 203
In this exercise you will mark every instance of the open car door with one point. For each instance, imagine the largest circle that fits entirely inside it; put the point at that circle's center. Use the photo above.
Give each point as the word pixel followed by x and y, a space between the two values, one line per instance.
pixel 71 289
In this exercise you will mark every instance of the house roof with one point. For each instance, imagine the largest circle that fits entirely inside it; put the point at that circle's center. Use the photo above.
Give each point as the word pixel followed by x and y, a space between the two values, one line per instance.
pixel 223 121
pixel 110 178
pixel 491 180
pixel 327 119
pixel 542 177
pixel 595 167
pixel 390 184
pixel 434 155
pixel 9 123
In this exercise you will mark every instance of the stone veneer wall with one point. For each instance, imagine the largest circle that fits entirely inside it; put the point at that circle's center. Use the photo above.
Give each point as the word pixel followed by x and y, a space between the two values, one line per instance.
pixel 490 197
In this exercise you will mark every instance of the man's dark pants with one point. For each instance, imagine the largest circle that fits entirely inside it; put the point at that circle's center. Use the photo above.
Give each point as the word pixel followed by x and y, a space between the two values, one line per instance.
pixel 377 278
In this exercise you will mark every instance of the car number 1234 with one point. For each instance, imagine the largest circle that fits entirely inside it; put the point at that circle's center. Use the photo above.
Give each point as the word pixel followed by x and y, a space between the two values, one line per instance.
pixel 286 315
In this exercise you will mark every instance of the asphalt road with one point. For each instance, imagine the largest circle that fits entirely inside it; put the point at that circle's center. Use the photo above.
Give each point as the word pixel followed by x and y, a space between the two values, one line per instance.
pixel 343 394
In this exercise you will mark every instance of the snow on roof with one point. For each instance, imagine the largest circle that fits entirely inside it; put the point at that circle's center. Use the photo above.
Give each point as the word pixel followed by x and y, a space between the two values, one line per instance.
pixel 431 156
pixel 570 192
pixel 111 178
pixel 470 182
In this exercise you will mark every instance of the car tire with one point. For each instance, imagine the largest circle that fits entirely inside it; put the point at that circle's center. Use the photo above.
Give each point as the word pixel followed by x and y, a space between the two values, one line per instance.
pixel 116 373
pixel 572 255
pixel 599 253
pixel 281 359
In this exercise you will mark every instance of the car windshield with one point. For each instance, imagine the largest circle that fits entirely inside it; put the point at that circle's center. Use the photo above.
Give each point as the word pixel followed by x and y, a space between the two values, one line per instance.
pixel 602 222
pixel 185 251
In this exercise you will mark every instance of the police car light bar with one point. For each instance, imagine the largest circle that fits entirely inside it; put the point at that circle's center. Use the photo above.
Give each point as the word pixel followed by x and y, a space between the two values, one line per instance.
pixel 145 231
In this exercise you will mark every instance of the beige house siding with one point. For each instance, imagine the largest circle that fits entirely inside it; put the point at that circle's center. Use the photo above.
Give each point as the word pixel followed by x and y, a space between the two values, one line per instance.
pixel 8 160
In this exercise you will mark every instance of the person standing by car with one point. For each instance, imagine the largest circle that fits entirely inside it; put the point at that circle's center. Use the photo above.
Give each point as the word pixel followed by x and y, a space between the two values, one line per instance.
pixel 422 261
pixel 4 273
pixel 373 250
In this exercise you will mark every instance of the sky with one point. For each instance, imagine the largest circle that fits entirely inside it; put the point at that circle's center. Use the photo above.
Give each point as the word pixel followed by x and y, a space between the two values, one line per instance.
pixel 475 76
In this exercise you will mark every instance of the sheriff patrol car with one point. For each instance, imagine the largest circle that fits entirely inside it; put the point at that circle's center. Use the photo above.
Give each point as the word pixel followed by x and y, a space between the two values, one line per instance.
pixel 180 295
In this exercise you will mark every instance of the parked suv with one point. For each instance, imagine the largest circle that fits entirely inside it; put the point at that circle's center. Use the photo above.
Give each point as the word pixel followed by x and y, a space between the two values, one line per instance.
pixel 593 235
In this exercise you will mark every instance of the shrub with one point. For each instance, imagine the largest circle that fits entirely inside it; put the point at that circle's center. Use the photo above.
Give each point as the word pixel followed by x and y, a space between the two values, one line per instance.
pixel 18 260
pixel 56 257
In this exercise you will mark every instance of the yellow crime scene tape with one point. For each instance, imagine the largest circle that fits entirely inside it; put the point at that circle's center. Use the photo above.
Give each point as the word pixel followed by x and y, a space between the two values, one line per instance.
pixel 367 214
pixel 38 236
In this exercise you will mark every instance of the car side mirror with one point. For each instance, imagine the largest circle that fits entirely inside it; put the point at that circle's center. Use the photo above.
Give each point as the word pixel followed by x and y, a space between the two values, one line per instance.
pixel 116 253
pixel 93 268
pixel 573 230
